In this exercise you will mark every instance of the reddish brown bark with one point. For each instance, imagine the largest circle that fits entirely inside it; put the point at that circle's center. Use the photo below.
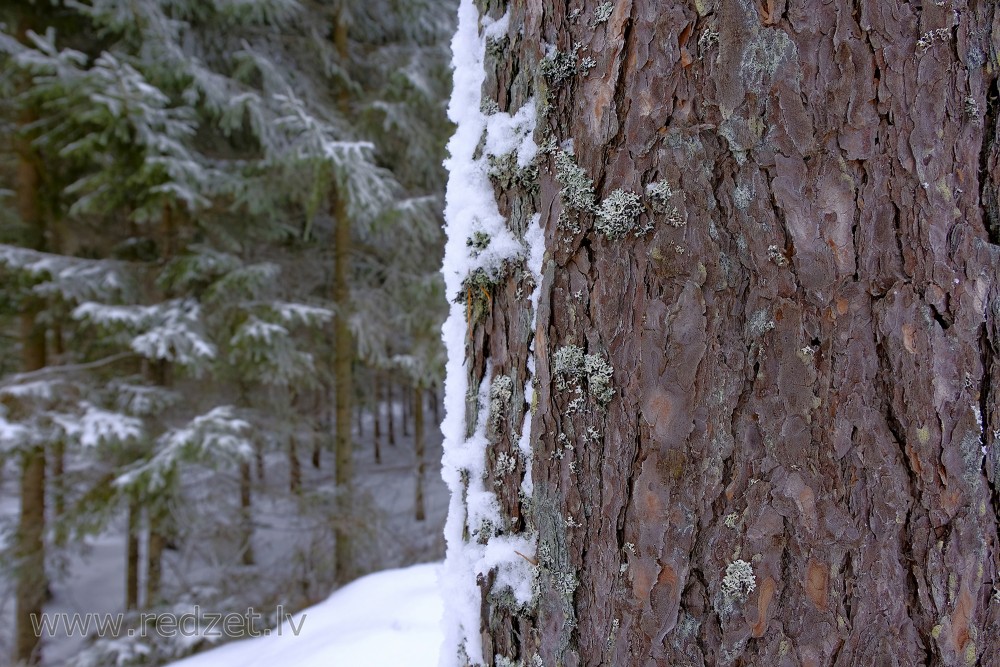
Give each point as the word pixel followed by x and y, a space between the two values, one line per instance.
pixel 804 352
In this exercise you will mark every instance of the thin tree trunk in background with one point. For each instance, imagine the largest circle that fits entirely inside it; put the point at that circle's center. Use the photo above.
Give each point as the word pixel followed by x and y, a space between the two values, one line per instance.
pixel 343 353
pixel 358 416
pixel 57 482
pixel 132 554
pixel 246 513
pixel 258 458
pixel 419 454
pixel 32 581
pixel 319 428
pixel 376 414
pixel 154 561
pixel 765 428
pixel 157 509
pixel 294 467
pixel 317 452
pixel 391 408
pixel 343 350
pixel 436 404
pixel 161 374
pixel 405 390
pixel 29 548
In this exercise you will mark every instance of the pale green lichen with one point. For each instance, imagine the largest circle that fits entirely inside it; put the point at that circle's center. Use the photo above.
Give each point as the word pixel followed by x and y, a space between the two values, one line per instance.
pixel 505 171
pixel 775 255
pixel 489 107
pixel 571 365
pixel 479 241
pixel 742 196
pixel 603 12
pixel 559 66
pixel 763 54
pixel 930 37
pixel 760 323
pixel 577 189
pixel 568 365
pixel 739 581
pixel 971 107
pixel 611 635
pixel 708 39
pixel 505 464
pixel 599 375
pixel 565 583
pixel 618 214
pixel 661 196
pixel 500 394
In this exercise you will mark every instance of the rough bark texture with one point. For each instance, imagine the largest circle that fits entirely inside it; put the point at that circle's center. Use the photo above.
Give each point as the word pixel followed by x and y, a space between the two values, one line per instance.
pixel 804 341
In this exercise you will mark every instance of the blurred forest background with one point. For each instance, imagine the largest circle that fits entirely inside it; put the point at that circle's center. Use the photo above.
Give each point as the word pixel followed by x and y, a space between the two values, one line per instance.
pixel 220 306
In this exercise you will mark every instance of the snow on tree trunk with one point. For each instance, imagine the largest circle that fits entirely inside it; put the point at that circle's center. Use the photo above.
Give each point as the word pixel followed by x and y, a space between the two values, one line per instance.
pixel 761 380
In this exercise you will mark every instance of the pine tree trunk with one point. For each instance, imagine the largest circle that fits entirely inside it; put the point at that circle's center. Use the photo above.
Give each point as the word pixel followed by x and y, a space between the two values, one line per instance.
pixel 376 415
pixel 57 482
pixel 258 457
pixel 132 555
pixel 32 582
pixel 436 404
pixel 419 454
pixel 359 411
pixel 344 389
pixel 154 561
pixel 765 428
pixel 406 409
pixel 246 514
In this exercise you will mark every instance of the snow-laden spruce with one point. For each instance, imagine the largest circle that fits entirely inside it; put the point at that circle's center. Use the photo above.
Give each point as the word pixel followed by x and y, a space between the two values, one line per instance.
pixel 471 212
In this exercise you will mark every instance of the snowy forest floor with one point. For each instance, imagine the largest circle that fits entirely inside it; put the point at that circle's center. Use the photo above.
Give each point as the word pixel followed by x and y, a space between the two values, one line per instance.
pixel 289 541
pixel 386 619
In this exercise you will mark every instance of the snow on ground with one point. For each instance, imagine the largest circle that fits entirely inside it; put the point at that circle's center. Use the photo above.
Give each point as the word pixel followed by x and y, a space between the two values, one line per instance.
pixel 385 619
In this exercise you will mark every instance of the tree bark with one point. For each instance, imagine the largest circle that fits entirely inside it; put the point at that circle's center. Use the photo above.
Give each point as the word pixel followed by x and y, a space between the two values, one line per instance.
pixel 800 460
pixel 419 454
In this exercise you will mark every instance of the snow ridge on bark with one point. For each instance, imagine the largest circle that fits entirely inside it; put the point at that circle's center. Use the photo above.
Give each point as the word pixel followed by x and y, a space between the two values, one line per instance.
pixel 472 213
